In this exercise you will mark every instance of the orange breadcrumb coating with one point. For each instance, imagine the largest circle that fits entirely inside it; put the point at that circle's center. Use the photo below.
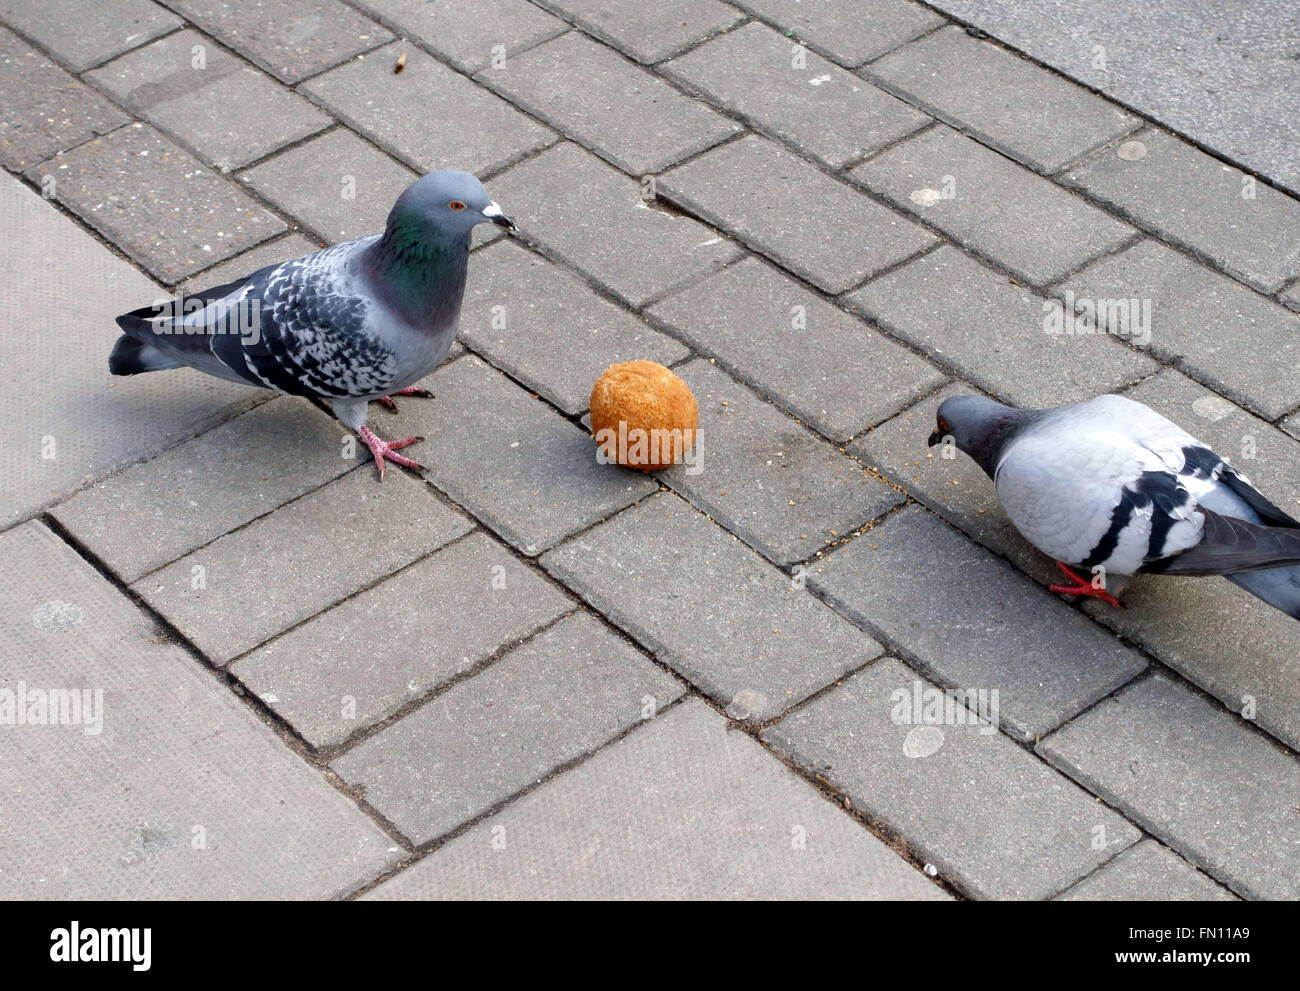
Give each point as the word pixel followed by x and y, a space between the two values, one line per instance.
pixel 645 396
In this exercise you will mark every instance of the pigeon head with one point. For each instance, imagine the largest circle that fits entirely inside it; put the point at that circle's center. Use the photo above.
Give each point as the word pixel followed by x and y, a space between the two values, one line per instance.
pixel 443 206
pixel 979 427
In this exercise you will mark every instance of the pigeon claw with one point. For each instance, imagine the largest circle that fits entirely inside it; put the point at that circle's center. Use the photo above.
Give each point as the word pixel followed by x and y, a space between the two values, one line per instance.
pixel 386 450
pixel 1082 586
pixel 410 390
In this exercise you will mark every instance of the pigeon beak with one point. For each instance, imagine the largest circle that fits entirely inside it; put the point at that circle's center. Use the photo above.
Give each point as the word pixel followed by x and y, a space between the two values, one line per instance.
pixel 936 437
pixel 494 214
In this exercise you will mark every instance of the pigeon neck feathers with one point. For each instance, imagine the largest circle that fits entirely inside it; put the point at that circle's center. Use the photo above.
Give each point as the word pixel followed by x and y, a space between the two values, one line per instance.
pixel 421 276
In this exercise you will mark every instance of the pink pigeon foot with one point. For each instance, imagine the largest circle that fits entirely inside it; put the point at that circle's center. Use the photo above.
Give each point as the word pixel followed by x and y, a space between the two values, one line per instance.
pixel 410 390
pixel 386 450
pixel 1082 586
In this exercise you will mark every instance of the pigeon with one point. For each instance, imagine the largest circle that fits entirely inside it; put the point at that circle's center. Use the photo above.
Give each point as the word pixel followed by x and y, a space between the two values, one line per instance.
pixel 357 322
pixel 1112 487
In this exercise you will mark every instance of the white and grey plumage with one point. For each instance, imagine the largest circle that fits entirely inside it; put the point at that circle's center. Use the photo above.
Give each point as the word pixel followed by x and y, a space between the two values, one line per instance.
pixel 1113 487
pixel 356 322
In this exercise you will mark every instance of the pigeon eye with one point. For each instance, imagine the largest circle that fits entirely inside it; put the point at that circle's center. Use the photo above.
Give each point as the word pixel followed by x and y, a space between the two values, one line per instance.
pixel 456 205
pixel 943 425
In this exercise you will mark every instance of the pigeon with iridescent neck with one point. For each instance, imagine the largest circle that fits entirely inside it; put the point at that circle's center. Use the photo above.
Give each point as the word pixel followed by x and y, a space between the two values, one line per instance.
pixel 1112 487
pixel 361 321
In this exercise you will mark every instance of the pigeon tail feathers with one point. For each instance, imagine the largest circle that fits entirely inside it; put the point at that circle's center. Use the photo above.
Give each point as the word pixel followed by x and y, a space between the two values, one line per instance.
pixel 131 356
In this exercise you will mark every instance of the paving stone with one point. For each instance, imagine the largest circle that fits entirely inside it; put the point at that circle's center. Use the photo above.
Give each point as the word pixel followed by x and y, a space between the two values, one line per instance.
pixel 954 488
pixel 159 510
pixel 80 34
pixel 1291 297
pixel 849 31
pixel 78 422
pixel 1292 425
pixel 994 332
pixel 291 39
pixel 517 306
pixel 993 820
pixel 1025 223
pixel 224 109
pixel 469 36
pixel 45 109
pixel 181 791
pixel 513 462
pixel 285 567
pixel 593 217
pixel 967 620
pixel 683 808
pixel 1001 98
pixel 1196 778
pixel 338 185
pixel 156 202
pixel 746 315
pixel 1212 328
pixel 356 663
pixel 826 111
pixel 282 249
pixel 787 209
pixel 1246 228
pixel 429 116
pixel 566 692
pixel 781 489
pixel 608 104
pixel 764 645
pixel 647 32
pixel 1147 871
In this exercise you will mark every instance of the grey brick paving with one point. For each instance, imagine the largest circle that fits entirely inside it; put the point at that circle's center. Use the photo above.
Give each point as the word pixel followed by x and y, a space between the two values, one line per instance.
pixel 682 808
pixel 226 110
pixel 593 217
pixel 285 567
pixel 970 621
pixel 1032 227
pixel 566 692
pixel 429 116
pixel 790 211
pixel 1250 230
pixel 608 104
pixel 469 36
pixel 78 423
pixel 850 31
pixel 990 817
pixel 780 488
pixel 157 202
pixel 1291 297
pixel 84 34
pixel 993 332
pixel 356 663
pixel 746 315
pixel 1215 329
pixel 337 185
pixel 268 253
pixel 656 571
pixel 647 32
pixel 1147 871
pixel 512 461
pixel 823 109
pixel 516 304
pixel 1219 793
pixel 159 510
pixel 1001 98
pixel 183 792
pixel 45 110
pixel 290 39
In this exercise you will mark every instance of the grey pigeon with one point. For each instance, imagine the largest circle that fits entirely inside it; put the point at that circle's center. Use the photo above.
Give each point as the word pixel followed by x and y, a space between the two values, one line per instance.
pixel 1112 487
pixel 361 321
